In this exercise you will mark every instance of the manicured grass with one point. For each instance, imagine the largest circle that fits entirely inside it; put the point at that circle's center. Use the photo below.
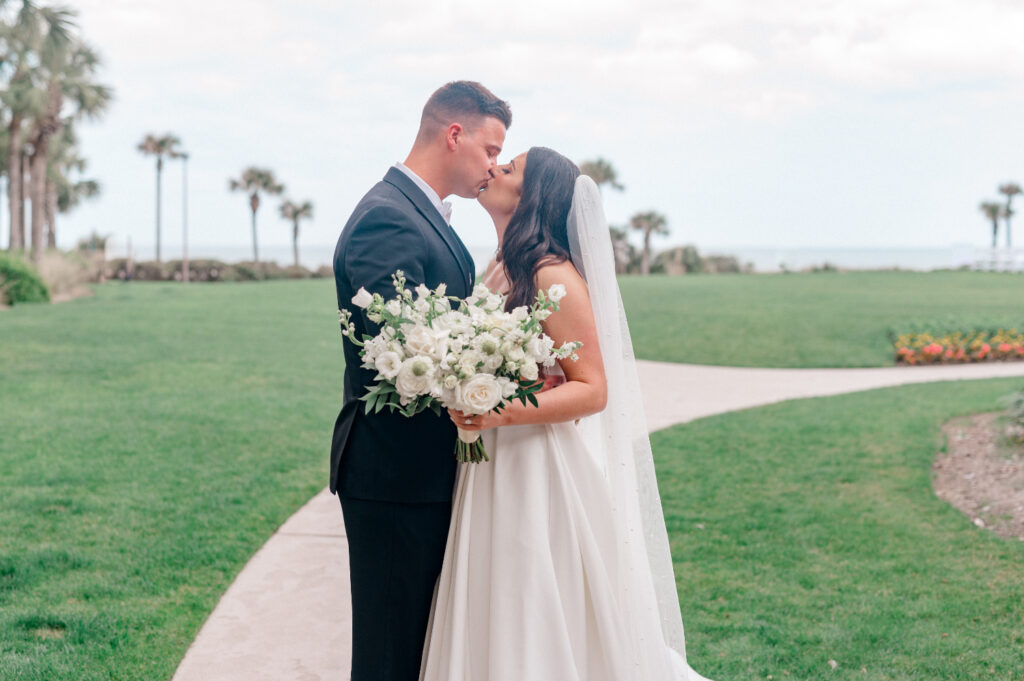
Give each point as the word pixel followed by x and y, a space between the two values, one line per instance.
pixel 151 439
pixel 822 540
pixel 806 320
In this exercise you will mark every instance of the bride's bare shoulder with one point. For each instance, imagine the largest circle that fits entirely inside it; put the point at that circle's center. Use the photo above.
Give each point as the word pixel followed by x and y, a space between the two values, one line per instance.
pixel 558 273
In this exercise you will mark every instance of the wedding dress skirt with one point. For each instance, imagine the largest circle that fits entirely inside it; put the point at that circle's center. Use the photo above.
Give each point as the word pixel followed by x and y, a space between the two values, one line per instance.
pixel 527 590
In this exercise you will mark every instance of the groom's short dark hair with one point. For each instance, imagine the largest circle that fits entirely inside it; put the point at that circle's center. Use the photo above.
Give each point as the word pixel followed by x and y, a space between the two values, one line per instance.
pixel 462 99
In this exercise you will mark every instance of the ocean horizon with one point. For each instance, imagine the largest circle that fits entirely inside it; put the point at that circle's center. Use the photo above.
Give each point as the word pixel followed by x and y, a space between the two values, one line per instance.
pixel 762 258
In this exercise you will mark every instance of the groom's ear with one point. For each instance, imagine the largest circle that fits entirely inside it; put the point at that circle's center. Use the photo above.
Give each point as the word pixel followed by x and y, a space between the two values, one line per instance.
pixel 453 135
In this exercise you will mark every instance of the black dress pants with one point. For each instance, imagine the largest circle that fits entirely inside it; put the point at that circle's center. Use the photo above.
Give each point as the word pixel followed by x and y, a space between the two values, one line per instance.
pixel 395 553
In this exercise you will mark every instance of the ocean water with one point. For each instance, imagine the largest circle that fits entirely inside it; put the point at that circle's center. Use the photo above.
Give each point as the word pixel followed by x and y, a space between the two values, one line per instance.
pixel 764 259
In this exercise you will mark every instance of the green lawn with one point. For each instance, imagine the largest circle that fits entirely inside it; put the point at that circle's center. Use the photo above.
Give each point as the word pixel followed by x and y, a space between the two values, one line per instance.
pixel 822 540
pixel 806 320
pixel 154 436
pixel 151 439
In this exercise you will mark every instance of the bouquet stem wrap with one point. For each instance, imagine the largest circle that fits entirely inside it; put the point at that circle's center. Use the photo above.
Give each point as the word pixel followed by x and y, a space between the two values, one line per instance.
pixel 469 448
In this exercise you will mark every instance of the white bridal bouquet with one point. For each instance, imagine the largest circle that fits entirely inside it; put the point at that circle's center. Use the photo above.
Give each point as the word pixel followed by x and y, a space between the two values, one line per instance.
pixel 475 358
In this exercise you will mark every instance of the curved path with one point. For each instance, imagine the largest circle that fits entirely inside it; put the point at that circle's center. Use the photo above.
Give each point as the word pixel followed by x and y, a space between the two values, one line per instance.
pixel 286 616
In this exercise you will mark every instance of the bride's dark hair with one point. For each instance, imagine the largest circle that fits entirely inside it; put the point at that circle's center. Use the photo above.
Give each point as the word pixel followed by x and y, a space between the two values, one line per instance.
pixel 537 234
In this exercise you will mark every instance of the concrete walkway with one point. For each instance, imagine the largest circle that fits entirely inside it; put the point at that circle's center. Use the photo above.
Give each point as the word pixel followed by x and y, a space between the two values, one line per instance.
pixel 286 616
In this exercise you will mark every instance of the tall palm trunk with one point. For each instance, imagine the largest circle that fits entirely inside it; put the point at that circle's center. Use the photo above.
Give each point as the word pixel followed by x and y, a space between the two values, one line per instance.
pixel 995 231
pixel 254 203
pixel 47 126
pixel 295 241
pixel 15 182
pixel 645 262
pixel 37 195
pixel 51 213
pixel 159 171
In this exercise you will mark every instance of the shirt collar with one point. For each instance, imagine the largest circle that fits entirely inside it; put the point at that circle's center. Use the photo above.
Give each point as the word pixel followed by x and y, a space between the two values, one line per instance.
pixel 443 207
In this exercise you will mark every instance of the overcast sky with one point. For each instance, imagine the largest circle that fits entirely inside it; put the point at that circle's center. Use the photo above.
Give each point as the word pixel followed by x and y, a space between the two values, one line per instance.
pixel 747 123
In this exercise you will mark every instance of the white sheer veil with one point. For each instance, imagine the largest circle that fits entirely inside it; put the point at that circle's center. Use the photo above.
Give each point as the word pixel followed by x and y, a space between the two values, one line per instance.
pixel 647 580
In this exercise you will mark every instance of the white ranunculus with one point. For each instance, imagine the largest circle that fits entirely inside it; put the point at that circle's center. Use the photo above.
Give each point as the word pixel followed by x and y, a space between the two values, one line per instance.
pixel 469 361
pixel 479 394
pixel 541 315
pixel 388 364
pixel 415 377
pixel 528 371
pixel 362 298
pixel 556 292
pixel 422 340
pixel 520 314
pixel 508 387
pixel 493 362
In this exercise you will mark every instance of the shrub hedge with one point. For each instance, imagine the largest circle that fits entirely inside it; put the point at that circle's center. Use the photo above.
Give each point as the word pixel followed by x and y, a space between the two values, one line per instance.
pixel 19 283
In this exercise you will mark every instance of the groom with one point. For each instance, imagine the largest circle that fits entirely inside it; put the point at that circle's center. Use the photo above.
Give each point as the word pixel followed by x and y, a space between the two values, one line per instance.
pixel 394 475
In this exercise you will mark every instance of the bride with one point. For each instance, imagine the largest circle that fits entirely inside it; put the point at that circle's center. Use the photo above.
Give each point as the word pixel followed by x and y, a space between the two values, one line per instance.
pixel 557 566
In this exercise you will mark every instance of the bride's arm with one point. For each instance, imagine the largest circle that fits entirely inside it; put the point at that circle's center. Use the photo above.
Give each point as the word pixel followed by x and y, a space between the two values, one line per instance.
pixel 585 391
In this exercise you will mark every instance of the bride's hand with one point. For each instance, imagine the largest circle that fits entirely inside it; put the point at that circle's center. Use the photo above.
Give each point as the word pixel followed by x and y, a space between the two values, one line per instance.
pixel 472 422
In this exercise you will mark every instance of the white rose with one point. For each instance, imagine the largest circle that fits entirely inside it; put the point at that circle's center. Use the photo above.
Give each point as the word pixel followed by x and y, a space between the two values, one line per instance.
pixel 388 364
pixel 520 314
pixel 529 371
pixel 479 394
pixel 556 292
pixel 415 377
pixel 362 298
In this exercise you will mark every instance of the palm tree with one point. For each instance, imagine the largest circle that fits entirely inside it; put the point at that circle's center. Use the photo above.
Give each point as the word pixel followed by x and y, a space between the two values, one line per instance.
pixel 602 173
pixel 295 213
pixel 68 74
pixel 35 37
pixel 649 223
pixel 622 250
pixel 993 211
pixel 253 181
pixel 159 146
pixel 1010 189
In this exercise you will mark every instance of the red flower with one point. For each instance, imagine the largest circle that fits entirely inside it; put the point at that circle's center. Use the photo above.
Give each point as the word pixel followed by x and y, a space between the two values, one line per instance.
pixel 1005 347
pixel 932 349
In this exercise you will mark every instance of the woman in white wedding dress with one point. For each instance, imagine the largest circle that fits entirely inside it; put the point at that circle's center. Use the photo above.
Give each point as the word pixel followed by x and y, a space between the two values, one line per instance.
pixel 557 565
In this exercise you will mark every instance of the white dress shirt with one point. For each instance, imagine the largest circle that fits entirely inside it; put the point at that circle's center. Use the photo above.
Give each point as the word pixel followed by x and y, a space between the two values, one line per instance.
pixel 443 207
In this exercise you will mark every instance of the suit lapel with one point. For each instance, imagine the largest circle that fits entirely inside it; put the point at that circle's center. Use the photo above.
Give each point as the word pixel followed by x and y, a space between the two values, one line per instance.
pixel 405 185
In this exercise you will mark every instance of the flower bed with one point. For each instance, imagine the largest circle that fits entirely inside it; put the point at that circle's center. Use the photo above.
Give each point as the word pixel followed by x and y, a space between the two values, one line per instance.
pixel 958 347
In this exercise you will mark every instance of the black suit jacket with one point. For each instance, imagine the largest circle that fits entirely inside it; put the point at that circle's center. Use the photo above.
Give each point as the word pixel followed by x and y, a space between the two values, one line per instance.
pixel 387 456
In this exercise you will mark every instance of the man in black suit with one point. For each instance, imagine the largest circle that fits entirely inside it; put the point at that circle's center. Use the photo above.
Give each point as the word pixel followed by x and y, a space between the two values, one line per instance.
pixel 394 475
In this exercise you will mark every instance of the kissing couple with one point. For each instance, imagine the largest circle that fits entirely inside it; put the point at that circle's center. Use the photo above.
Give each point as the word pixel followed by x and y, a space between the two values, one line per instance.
pixel 550 562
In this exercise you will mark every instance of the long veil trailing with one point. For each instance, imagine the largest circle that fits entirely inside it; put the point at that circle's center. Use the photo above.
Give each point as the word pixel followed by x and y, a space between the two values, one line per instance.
pixel 647 583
